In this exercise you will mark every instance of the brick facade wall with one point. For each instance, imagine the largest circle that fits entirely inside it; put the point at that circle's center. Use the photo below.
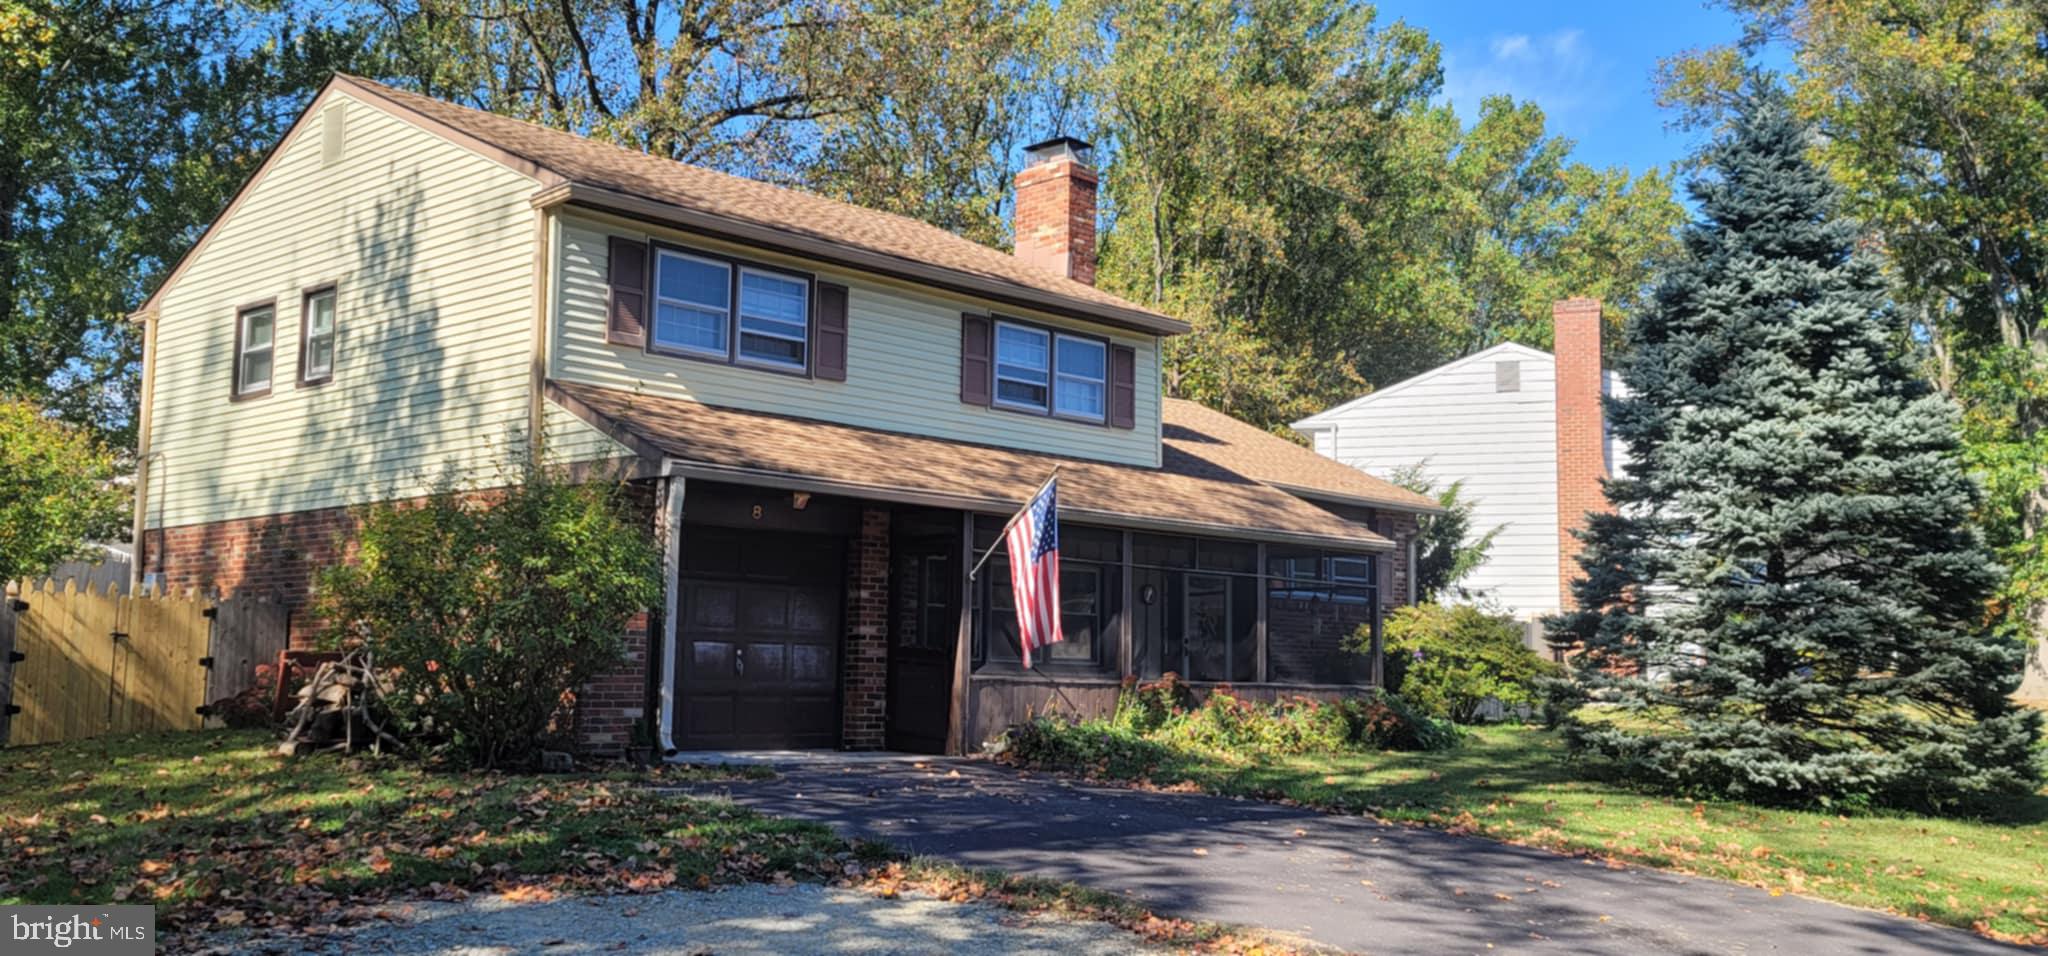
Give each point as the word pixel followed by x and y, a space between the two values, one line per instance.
pixel 281 555
pixel 864 659
pixel 1581 431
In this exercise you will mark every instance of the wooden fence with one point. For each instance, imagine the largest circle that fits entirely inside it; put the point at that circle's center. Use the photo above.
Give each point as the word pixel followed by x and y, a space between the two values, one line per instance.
pixel 88 661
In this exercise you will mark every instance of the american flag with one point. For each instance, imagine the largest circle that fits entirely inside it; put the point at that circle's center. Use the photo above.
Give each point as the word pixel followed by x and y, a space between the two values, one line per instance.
pixel 1034 544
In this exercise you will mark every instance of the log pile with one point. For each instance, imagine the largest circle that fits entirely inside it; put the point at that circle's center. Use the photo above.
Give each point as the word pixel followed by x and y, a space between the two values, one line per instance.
pixel 339 708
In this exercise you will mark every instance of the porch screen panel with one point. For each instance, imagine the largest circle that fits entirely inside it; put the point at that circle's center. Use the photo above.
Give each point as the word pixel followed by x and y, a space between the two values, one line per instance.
pixel 1091 585
pixel 1319 606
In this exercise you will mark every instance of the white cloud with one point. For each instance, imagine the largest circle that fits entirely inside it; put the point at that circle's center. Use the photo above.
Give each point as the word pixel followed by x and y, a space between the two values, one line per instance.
pixel 1558 70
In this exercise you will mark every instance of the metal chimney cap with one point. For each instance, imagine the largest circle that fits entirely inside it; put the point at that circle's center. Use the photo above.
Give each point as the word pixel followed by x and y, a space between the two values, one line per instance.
pixel 1080 150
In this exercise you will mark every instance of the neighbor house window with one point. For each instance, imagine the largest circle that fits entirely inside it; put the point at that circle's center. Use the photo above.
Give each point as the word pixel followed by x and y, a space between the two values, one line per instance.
pixel 316 337
pixel 1023 366
pixel 693 304
pixel 1081 380
pixel 1038 370
pixel 255 345
pixel 774 319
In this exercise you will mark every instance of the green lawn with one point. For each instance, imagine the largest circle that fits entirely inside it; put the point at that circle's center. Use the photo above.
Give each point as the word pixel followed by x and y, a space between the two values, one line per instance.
pixel 215 831
pixel 1512 784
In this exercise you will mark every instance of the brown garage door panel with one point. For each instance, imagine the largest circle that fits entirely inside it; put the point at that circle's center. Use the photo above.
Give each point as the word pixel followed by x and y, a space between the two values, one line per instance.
pixel 760 663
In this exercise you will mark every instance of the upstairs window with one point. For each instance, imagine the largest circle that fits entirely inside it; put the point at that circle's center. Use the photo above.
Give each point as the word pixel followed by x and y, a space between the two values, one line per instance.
pixel 255 346
pixel 733 312
pixel 1023 367
pixel 316 337
pixel 692 305
pixel 1082 384
pixel 774 319
pixel 1039 370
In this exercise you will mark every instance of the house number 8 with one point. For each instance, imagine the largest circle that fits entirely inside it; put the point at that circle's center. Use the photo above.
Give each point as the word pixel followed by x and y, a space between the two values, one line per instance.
pixel 757 512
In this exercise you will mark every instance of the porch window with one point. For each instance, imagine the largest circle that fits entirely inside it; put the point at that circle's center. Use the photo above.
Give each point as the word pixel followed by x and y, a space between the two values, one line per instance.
pixel 1091 576
pixel 693 299
pixel 1320 607
pixel 255 349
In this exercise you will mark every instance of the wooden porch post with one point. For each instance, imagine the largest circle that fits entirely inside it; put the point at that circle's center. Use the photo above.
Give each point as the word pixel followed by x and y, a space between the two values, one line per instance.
pixel 1127 664
pixel 960 713
pixel 1259 628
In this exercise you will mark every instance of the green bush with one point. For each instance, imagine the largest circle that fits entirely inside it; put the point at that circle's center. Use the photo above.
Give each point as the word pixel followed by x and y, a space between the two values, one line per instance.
pixel 1157 723
pixel 493 610
pixel 1448 660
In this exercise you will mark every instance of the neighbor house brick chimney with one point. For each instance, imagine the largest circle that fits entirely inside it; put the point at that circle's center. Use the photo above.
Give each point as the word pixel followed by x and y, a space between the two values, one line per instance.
pixel 1055 217
pixel 1581 430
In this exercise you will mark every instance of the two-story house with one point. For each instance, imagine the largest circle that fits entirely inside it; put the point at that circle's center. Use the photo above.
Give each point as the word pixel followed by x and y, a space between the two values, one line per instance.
pixel 1525 433
pixel 826 412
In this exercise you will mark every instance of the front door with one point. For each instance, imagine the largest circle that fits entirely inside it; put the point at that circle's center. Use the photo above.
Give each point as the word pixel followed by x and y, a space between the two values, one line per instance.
pixel 758 645
pixel 924 627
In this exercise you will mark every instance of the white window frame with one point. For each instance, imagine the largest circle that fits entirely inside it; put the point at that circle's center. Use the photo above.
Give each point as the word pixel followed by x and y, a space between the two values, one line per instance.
pixel 732 304
pixel 739 322
pixel 1059 375
pixel 996 364
pixel 244 320
pixel 308 375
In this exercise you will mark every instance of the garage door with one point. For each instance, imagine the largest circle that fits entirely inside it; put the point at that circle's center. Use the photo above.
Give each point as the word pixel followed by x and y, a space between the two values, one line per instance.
pixel 760 665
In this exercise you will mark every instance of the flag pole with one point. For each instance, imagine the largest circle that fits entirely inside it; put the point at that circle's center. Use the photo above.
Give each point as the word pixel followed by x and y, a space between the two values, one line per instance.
pixel 985 555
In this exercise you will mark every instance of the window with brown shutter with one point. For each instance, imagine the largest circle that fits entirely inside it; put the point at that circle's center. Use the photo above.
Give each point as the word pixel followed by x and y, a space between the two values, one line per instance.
pixel 829 362
pixel 974 359
pixel 626 323
pixel 1123 387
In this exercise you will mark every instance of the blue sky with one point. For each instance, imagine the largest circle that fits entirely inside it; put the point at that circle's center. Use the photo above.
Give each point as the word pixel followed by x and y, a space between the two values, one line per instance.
pixel 1588 63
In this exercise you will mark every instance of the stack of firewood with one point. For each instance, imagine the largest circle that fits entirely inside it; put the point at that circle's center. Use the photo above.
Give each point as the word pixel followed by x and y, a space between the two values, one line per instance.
pixel 340 708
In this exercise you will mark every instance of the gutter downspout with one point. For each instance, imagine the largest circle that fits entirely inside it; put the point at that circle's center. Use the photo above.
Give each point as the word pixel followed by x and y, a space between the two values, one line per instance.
pixel 672 487
pixel 142 453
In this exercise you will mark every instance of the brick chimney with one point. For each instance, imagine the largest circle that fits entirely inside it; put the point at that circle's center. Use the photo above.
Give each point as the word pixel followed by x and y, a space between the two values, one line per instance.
pixel 1055 220
pixel 1581 430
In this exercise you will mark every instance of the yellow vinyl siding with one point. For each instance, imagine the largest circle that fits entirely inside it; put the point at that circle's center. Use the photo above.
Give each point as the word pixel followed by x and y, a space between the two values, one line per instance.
pixel 431 248
pixel 903 359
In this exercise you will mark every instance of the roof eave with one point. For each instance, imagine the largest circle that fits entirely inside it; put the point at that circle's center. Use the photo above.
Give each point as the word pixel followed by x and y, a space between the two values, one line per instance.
pixel 605 199
pixel 1343 498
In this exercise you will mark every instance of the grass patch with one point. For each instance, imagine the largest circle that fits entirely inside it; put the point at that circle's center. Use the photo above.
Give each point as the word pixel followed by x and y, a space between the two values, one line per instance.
pixel 1514 784
pixel 216 831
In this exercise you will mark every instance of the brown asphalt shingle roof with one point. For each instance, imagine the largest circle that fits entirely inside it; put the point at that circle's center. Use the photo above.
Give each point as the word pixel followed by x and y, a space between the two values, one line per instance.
pixel 1245 448
pixel 1197 489
pixel 791 211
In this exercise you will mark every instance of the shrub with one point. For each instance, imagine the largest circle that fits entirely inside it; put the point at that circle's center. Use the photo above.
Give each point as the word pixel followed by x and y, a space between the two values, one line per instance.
pixel 493 610
pixel 1448 660
pixel 1157 723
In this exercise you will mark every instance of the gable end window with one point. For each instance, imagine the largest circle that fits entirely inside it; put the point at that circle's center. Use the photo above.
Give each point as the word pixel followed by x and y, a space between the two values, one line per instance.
pixel 726 310
pixel 255 350
pixel 317 336
pixel 1039 370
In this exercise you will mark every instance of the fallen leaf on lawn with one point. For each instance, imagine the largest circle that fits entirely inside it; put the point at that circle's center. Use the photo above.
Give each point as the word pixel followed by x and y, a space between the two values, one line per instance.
pixel 377 861
pixel 154 867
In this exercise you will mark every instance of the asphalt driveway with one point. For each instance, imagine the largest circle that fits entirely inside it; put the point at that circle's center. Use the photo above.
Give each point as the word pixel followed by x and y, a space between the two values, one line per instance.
pixel 1350 882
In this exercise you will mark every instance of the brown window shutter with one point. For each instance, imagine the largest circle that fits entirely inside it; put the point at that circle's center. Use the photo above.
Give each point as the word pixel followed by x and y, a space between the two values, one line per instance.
pixel 830 361
pixel 1123 386
pixel 627 322
pixel 975 374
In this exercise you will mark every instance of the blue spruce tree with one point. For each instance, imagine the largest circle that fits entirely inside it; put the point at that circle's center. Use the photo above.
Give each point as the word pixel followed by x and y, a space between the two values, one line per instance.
pixel 1789 597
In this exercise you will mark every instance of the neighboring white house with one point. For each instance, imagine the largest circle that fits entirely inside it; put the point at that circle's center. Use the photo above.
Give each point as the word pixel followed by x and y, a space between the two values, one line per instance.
pixel 1490 419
